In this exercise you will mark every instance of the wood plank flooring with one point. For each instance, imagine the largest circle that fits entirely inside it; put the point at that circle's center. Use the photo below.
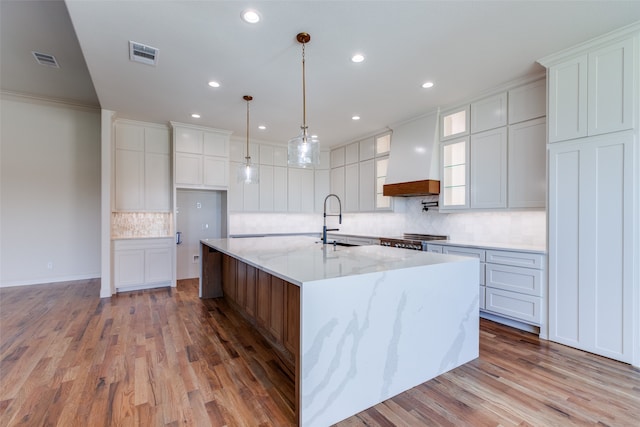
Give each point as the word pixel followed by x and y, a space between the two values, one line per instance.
pixel 166 358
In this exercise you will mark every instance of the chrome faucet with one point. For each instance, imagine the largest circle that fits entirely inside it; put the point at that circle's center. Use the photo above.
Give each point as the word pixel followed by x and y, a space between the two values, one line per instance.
pixel 324 226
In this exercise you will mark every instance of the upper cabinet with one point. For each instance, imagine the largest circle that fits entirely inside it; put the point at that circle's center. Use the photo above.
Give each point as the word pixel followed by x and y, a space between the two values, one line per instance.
pixel 592 94
pixel 454 123
pixel 493 151
pixel 489 113
pixel 201 157
pixel 142 179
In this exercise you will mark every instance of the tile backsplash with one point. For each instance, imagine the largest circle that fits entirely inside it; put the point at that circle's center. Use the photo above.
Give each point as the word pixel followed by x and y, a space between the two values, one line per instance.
pixel 140 224
pixel 513 227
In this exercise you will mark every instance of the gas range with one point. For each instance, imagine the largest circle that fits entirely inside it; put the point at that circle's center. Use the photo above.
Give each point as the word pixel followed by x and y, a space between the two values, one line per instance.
pixel 416 242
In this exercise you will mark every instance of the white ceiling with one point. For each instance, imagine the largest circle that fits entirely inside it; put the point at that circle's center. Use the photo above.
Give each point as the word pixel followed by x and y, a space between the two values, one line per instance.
pixel 465 47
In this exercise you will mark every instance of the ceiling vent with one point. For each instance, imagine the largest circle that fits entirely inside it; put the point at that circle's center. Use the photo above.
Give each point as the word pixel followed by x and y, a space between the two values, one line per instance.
pixel 142 53
pixel 46 59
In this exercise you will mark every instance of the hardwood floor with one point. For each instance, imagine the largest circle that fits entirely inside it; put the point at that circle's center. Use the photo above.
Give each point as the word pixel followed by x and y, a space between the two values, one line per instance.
pixel 166 358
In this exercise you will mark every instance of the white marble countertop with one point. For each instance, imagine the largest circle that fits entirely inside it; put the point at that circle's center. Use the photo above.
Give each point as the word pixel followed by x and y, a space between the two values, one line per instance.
pixel 300 259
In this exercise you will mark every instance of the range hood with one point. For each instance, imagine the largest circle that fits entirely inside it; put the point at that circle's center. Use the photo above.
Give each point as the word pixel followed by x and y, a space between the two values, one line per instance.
pixel 413 162
pixel 425 187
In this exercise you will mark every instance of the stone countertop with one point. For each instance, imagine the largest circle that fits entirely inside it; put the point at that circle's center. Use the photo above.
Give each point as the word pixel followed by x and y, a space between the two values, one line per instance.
pixel 300 259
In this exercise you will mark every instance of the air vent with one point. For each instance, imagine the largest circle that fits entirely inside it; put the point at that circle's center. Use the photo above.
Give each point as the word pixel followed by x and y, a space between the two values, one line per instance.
pixel 142 53
pixel 46 59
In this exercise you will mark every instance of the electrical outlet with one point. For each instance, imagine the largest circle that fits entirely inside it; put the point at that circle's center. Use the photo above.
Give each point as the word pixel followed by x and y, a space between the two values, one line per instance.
pixel 196 259
pixel 198 205
pixel 50 265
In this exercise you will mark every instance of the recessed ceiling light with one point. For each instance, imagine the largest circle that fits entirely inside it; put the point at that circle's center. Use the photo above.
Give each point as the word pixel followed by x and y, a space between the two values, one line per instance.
pixel 355 118
pixel 427 85
pixel 250 16
pixel 357 57
pixel 314 136
pixel 262 127
pixel 214 84
pixel 195 115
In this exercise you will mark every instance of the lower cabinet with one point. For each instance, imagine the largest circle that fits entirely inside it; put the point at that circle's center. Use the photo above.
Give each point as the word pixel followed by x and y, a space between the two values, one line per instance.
pixel 266 301
pixel 142 263
pixel 512 283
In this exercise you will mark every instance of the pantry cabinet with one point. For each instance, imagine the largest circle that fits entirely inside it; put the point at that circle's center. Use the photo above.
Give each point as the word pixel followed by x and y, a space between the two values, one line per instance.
pixel 593 188
pixel 142 179
pixel 592 93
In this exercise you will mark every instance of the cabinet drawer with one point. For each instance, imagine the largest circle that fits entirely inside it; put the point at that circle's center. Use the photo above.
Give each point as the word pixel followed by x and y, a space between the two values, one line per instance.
pixel 482 297
pixel 470 252
pixel 522 307
pixel 517 259
pixel 517 279
pixel 434 248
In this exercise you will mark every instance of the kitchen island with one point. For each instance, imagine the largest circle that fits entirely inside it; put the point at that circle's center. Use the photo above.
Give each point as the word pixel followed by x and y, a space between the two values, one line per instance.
pixel 360 324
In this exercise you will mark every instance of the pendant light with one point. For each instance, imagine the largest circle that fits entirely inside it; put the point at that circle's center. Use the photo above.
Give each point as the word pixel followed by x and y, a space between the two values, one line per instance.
pixel 303 150
pixel 248 173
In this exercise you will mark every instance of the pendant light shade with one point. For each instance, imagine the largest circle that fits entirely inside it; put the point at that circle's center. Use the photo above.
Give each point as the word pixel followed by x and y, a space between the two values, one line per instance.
pixel 248 173
pixel 303 151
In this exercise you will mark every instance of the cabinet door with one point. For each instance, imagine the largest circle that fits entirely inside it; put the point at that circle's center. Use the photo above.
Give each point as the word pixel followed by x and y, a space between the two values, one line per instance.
pixel 526 308
pixel 351 183
pixel 263 300
pixel 129 180
pixel 337 188
pixel 568 100
pixel 158 265
pixel 235 194
pixel 215 144
pixel 610 88
pixel 367 186
pixel 157 182
pixel 337 157
pixel 266 154
pixel 591 252
pixel 488 169
pixel 128 268
pixel 455 174
pixel 489 113
pixel 454 123
pixel 188 169
pixel 188 140
pixel 367 149
pixel 280 156
pixel 351 154
pixel 251 197
pixel 292 318
pixel 300 190
pixel 215 171
pixel 527 164
pixel 528 102
pixel 251 287
pixel 241 283
pixel 266 188
pixel 322 188
pixel 276 321
pixel 280 180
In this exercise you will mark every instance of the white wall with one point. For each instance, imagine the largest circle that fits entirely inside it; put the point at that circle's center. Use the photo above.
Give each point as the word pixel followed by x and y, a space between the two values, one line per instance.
pixel 49 192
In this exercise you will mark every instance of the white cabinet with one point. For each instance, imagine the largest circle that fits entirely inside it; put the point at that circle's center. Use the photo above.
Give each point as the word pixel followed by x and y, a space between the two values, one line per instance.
pixel 367 186
pixel 592 224
pixel 337 187
pixel 142 179
pixel 322 183
pixel 272 189
pixel 337 157
pixel 489 113
pixel 201 157
pixel 478 253
pixel 515 285
pixel 142 263
pixel 367 149
pixel 301 190
pixel 593 93
pixel 351 202
pixel 351 153
pixel 528 101
pixel 527 148
pixel 454 123
pixel 455 174
pixel 488 169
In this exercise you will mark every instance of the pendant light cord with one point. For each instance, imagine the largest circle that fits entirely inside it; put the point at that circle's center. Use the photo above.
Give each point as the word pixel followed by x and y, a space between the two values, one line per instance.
pixel 304 98
pixel 248 157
